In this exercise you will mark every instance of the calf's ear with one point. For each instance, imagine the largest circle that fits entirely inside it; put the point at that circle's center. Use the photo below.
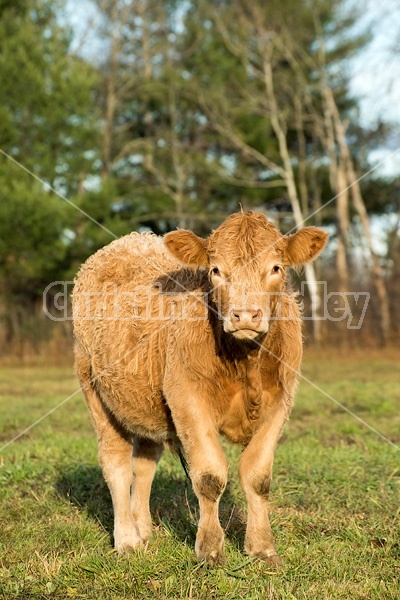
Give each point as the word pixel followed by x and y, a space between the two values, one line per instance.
pixel 304 246
pixel 187 247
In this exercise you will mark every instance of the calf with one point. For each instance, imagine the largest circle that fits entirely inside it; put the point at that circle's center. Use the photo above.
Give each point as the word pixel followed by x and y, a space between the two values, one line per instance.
pixel 178 340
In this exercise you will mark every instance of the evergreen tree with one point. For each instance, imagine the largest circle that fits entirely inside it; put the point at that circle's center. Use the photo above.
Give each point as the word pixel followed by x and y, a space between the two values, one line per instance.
pixel 49 126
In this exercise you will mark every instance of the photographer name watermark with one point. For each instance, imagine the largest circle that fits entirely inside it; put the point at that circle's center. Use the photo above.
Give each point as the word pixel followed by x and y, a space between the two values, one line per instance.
pixel 154 303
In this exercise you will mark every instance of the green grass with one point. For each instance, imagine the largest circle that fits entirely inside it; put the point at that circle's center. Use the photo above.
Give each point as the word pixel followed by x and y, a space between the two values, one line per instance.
pixel 334 502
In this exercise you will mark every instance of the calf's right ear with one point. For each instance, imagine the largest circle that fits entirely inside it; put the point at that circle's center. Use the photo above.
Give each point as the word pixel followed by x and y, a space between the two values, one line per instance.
pixel 187 247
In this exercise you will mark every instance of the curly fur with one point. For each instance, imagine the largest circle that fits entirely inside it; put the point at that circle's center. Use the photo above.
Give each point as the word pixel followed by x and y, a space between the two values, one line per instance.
pixel 158 367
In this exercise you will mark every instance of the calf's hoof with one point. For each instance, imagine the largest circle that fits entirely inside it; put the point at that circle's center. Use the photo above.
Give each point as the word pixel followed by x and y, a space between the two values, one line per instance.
pixel 126 542
pixel 272 559
pixel 145 532
pixel 210 550
pixel 214 558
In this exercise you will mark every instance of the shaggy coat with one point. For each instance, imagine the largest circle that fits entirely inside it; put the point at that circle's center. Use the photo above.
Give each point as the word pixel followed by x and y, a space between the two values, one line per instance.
pixel 178 340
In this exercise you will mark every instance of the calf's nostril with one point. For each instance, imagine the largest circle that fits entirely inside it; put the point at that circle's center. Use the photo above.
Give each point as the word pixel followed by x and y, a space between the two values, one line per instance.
pixel 246 316
pixel 256 316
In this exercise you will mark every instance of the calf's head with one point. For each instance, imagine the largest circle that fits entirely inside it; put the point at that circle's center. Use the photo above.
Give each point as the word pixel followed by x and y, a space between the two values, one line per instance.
pixel 247 259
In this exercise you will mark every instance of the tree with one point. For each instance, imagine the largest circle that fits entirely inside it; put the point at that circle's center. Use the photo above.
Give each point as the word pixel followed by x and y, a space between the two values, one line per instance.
pixel 153 145
pixel 250 33
pixel 349 173
pixel 47 112
pixel 345 182
pixel 48 125
pixel 33 248
pixel 277 116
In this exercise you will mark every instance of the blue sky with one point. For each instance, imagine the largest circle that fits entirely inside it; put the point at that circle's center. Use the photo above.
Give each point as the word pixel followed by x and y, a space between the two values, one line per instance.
pixel 375 76
pixel 376 71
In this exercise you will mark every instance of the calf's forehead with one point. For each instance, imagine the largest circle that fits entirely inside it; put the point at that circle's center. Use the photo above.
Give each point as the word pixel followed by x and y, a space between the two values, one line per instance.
pixel 245 238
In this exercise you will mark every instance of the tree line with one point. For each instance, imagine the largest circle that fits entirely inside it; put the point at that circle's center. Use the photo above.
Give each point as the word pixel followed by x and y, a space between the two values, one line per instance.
pixel 185 111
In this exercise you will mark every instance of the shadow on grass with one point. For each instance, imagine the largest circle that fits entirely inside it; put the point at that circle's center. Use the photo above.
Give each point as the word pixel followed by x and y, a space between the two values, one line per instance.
pixel 84 487
pixel 173 503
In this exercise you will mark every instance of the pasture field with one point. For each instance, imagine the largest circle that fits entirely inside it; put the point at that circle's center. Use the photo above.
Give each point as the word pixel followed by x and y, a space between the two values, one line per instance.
pixel 334 501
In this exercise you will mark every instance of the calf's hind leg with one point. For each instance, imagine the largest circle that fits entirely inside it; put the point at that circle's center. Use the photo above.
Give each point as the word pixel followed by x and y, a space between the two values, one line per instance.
pixel 115 458
pixel 129 472
pixel 146 455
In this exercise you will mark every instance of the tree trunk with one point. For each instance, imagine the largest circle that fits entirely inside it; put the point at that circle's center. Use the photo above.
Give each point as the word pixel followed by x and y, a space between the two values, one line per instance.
pixel 302 159
pixel 358 202
pixel 111 96
pixel 179 172
pixel 342 214
pixel 338 184
pixel 293 196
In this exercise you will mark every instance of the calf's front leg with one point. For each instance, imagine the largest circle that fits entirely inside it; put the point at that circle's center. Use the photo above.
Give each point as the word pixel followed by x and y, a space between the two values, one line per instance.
pixel 208 487
pixel 255 471
pixel 208 469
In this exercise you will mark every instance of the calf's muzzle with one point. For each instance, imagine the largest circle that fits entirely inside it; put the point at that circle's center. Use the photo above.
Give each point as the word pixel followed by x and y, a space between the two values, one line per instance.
pixel 246 323
pixel 246 318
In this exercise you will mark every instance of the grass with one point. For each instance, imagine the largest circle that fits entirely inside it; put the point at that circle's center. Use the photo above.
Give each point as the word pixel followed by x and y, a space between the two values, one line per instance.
pixel 334 503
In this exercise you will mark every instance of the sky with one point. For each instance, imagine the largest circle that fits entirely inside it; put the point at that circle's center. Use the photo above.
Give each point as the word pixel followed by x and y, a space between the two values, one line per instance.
pixel 375 76
pixel 376 70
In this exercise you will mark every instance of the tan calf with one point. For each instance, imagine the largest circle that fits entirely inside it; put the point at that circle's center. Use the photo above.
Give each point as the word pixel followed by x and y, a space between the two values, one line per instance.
pixel 180 339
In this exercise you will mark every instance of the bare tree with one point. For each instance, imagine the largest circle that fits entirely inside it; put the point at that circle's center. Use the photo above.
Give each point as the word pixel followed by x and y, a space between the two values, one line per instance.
pixel 172 175
pixel 345 183
pixel 353 184
pixel 338 184
pixel 258 59
pixel 114 18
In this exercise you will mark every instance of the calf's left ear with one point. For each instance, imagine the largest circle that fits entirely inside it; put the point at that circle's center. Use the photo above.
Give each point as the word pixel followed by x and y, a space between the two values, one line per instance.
pixel 187 247
pixel 304 246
